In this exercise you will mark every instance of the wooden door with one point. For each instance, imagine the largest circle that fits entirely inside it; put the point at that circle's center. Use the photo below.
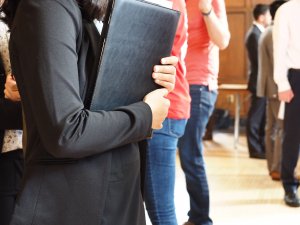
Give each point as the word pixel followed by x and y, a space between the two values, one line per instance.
pixel 233 60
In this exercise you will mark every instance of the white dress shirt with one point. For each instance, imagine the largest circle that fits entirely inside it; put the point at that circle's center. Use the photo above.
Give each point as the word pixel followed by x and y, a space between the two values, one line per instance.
pixel 286 42
pixel 259 26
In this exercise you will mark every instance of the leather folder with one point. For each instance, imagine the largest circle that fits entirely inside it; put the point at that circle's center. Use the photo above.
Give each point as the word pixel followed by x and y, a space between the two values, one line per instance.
pixel 136 34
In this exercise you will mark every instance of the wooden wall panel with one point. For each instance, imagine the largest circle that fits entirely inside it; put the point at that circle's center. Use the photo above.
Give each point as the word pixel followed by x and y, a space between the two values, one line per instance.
pixel 232 59
pixel 254 2
pixel 236 3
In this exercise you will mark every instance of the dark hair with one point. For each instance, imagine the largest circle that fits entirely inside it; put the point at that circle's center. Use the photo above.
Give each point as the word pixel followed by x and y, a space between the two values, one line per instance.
pixel 274 6
pixel 91 9
pixel 260 9
pixel 9 8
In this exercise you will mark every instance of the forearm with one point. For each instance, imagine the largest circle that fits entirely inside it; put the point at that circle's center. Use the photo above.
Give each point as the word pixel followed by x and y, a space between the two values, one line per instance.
pixel 217 31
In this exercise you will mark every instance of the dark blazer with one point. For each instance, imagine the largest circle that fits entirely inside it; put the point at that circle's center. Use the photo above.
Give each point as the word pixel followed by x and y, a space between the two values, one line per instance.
pixel 252 38
pixel 10 112
pixel 82 166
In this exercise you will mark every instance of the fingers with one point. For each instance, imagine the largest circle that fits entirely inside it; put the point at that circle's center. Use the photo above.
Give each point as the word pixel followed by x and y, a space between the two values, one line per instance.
pixel 165 76
pixel 287 99
pixel 11 83
pixel 291 96
pixel 11 90
pixel 286 96
pixel 171 60
pixel 159 106
pixel 14 96
pixel 162 92
pixel 169 86
pixel 166 69
pixel 165 80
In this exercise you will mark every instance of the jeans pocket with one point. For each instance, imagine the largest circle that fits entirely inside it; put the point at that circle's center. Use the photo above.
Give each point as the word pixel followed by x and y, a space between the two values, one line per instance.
pixel 177 127
pixel 172 127
pixel 207 101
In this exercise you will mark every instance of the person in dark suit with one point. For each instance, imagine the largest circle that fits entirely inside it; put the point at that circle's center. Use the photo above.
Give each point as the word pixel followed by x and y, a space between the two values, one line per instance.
pixel 256 114
pixel 81 166
pixel 11 154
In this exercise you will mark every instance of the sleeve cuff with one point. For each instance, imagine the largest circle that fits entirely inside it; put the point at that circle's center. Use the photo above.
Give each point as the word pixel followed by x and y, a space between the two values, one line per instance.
pixel 284 86
pixel 149 112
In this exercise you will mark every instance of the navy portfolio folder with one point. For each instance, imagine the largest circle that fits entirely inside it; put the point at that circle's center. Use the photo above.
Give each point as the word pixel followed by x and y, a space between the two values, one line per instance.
pixel 136 35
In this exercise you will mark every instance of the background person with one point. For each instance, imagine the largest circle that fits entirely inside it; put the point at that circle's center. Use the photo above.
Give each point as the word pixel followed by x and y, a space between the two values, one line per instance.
pixel 161 152
pixel 208 32
pixel 267 88
pixel 256 115
pixel 286 36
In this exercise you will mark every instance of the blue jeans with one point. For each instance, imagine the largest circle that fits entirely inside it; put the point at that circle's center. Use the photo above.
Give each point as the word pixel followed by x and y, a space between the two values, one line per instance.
pixel 160 172
pixel 191 153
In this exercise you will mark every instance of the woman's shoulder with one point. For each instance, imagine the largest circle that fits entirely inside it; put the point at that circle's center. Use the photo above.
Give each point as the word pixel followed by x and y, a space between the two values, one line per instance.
pixel 47 13
pixel 69 6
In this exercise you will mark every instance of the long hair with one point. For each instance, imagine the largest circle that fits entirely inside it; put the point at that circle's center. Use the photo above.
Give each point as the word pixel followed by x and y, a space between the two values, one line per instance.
pixel 91 9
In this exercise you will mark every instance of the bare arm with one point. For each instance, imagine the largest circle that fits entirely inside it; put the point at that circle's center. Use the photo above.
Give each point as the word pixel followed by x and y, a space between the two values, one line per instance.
pixel 217 26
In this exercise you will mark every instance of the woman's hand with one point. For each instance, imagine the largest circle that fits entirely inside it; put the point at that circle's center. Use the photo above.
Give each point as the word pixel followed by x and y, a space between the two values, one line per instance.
pixel 159 106
pixel 11 90
pixel 165 74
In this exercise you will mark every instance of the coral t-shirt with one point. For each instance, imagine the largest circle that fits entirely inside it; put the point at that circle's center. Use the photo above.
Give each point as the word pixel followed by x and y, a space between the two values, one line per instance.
pixel 202 60
pixel 180 98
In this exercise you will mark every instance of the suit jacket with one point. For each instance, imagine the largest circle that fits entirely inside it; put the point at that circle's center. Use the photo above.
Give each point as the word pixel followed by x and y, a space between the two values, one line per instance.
pixel 10 112
pixel 266 86
pixel 252 38
pixel 82 166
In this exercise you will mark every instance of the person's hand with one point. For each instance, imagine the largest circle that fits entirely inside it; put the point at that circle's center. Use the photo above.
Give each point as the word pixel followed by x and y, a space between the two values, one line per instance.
pixel 11 90
pixel 165 74
pixel 159 106
pixel 205 5
pixel 286 96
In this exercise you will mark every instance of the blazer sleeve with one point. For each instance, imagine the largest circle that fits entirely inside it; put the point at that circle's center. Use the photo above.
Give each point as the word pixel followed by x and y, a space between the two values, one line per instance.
pixel 252 47
pixel 44 61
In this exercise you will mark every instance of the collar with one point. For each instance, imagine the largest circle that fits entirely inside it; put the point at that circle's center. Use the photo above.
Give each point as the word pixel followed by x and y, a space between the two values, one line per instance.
pixel 259 26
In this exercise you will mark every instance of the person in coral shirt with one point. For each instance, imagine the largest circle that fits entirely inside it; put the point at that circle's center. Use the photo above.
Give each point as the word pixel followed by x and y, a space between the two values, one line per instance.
pixel 208 33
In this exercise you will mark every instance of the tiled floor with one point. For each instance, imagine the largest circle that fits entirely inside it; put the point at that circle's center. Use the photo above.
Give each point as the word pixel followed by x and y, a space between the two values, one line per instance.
pixel 241 191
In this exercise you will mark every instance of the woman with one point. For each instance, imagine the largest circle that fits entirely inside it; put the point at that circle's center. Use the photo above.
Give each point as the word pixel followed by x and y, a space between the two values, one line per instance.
pixel 11 154
pixel 82 167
